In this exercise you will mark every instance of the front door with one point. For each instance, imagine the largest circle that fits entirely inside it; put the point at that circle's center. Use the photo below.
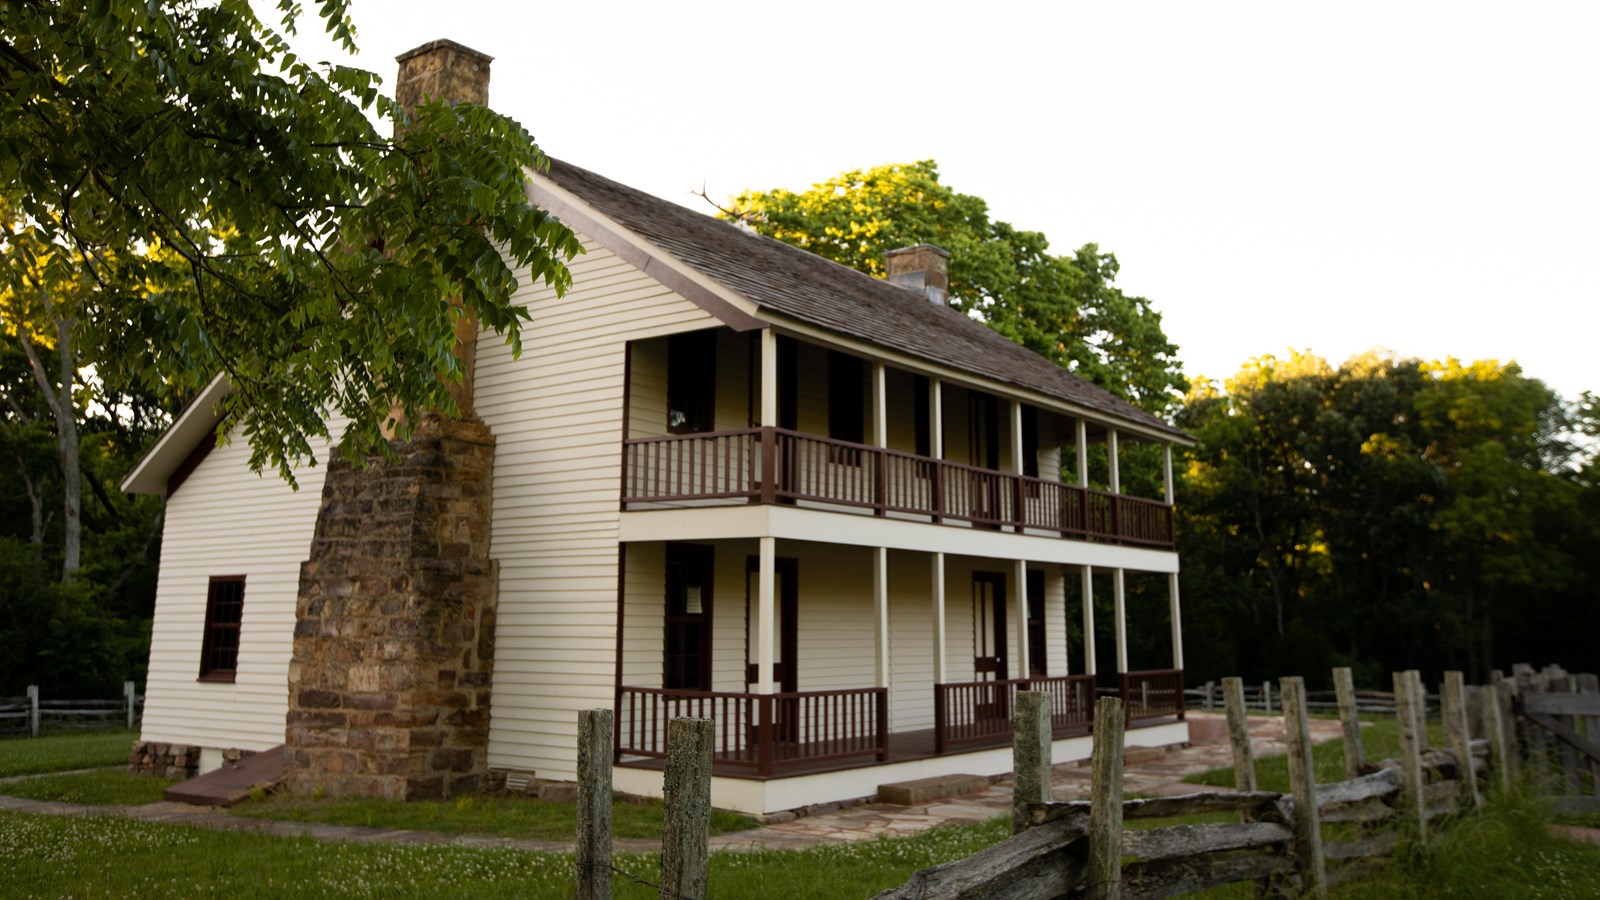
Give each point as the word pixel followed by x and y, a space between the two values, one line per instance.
pixel 1038 665
pixel 989 643
pixel 785 638
pixel 688 620
pixel 785 619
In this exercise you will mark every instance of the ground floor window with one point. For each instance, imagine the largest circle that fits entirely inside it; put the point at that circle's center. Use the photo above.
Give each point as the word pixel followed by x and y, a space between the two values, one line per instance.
pixel 219 646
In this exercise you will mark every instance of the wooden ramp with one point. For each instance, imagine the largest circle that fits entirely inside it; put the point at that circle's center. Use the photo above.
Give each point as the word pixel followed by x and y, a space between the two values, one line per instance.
pixel 231 783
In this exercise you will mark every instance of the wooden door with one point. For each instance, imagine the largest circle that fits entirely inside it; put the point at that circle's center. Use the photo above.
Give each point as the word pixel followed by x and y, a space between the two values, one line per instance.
pixel 785 639
pixel 989 643
pixel 1038 662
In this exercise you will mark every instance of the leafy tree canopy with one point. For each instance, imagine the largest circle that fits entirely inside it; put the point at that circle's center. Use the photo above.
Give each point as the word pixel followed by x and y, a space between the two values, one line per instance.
pixel 221 205
pixel 1067 308
pixel 1386 514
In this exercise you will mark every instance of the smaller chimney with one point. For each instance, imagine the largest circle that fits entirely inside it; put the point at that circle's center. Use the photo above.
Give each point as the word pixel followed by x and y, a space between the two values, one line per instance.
pixel 923 268
pixel 442 70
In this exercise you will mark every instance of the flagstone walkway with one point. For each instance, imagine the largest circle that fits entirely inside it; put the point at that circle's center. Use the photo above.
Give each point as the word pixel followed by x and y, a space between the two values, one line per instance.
pixel 1149 772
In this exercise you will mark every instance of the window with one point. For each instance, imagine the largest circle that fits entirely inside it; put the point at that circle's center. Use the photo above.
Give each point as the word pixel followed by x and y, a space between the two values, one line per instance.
pixel 1030 441
pixel 219 646
pixel 688 619
pixel 846 385
pixel 691 382
pixel 923 413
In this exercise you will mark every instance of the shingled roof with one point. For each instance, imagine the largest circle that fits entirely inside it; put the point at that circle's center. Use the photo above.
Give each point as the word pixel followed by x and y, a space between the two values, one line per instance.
pixel 803 286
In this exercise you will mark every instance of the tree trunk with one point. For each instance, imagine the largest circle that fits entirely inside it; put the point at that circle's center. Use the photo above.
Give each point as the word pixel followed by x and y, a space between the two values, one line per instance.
pixel 65 412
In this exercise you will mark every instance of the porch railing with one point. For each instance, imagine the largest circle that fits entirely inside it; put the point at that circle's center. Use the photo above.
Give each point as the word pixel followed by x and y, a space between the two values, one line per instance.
pixel 764 734
pixel 771 465
pixel 1152 695
pixel 979 712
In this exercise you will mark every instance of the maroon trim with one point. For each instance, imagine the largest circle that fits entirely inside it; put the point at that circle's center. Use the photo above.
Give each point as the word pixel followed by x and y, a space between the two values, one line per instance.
pixel 190 463
pixel 629 252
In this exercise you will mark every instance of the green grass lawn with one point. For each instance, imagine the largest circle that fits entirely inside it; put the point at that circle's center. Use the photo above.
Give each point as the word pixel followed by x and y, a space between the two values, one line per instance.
pixel 1380 739
pixel 60 752
pixel 100 857
pixel 515 817
pixel 111 787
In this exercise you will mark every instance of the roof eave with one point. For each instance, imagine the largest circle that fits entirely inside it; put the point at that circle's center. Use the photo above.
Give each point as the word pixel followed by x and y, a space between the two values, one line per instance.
pixel 196 423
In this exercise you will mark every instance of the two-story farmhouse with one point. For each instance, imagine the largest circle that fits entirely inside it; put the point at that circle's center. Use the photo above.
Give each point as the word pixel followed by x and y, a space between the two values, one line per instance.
pixel 729 478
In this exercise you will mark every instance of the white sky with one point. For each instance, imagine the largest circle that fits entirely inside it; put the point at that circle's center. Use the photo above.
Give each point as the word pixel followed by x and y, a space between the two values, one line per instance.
pixel 1417 177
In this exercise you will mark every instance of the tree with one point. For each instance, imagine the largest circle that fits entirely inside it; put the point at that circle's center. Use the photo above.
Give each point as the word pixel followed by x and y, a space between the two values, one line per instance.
pixel 1067 308
pixel 224 206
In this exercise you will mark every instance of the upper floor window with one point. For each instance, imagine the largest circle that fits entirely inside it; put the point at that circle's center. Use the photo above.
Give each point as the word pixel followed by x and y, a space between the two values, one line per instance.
pixel 846 385
pixel 219 645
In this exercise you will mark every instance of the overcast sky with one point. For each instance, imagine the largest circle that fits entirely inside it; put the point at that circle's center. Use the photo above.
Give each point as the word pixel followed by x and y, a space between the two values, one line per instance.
pixel 1417 177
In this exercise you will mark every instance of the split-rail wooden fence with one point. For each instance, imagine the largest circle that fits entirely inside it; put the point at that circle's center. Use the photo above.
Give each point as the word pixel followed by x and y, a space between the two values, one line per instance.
pixel 28 713
pixel 1279 842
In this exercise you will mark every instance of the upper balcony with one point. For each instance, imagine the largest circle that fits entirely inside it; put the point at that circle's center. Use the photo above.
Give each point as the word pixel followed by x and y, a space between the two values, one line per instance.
pixel 854 435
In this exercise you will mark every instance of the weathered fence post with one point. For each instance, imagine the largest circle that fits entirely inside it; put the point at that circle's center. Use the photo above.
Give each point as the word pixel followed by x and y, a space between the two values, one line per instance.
pixel 129 695
pixel 1494 732
pixel 686 797
pixel 1589 684
pixel 1266 697
pixel 592 857
pixel 1244 767
pixel 33 710
pixel 1503 689
pixel 1405 716
pixel 1344 687
pixel 1453 709
pixel 1303 784
pixel 1105 809
pixel 1419 707
pixel 1210 692
pixel 1030 756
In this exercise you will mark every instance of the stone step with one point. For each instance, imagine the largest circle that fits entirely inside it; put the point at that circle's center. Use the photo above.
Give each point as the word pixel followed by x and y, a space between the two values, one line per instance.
pixel 927 790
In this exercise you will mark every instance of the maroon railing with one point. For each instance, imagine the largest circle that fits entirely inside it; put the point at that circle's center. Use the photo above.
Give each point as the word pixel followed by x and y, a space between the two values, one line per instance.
pixel 979 712
pixel 769 465
pixel 762 733
pixel 1152 695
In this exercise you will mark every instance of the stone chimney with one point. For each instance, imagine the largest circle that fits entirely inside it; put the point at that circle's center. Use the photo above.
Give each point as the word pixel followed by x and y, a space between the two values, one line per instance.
pixel 923 268
pixel 445 70
pixel 442 70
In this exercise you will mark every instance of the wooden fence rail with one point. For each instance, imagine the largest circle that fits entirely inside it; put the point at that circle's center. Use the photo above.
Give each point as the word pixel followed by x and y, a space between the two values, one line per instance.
pixel 1266 698
pixel 1278 842
pixel 29 713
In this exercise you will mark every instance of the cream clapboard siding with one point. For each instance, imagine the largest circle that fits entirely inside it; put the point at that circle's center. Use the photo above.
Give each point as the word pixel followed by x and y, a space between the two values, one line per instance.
pixel 556 414
pixel 226 520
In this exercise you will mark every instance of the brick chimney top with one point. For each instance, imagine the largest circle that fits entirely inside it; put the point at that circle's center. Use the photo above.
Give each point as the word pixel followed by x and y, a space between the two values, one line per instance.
pixel 923 268
pixel 442 70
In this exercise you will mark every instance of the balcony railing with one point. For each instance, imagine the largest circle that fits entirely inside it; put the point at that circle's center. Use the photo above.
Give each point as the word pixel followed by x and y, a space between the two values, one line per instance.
pixel 1152 695
pixel 773 465
pixel 975 713
pixel 762 734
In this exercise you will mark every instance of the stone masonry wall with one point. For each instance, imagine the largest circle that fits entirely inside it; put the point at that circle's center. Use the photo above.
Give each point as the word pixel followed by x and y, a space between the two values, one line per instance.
pixel 394 633
pixel 179 762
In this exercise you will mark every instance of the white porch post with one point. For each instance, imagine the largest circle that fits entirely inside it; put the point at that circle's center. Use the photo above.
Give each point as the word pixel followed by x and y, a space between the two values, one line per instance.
pixel 1177 621
pixel 1166 473
pixel 880 407
pixel 1089 664
pixel 769 378
pixel 936 418
pixel 1016 436
pixel 1122 620
pixel 764 615
pixel 1081 444
pixel 1111 457
pixel 880 612
pixel 1019 578
pixel 938 619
